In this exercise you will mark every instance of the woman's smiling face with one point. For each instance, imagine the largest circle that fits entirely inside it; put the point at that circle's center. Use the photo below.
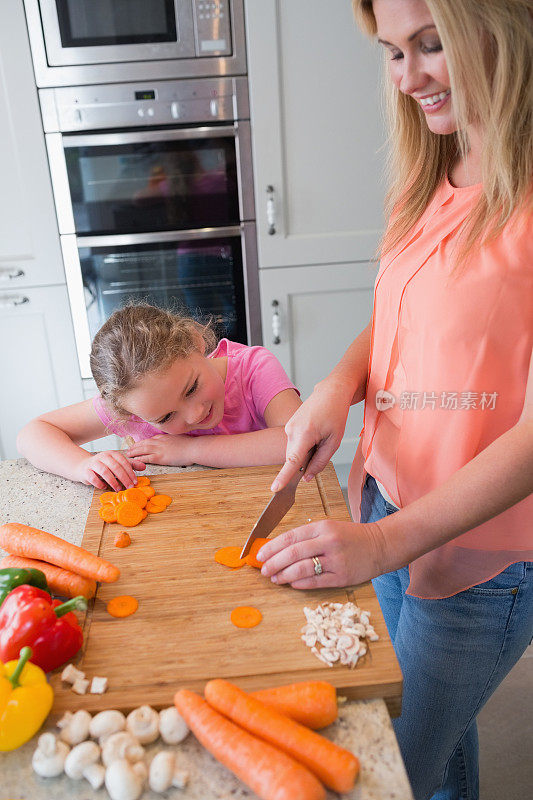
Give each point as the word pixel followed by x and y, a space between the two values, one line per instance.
pixel 417 65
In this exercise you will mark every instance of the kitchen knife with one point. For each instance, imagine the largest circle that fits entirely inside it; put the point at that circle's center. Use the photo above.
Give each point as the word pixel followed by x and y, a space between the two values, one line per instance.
pixel 277 507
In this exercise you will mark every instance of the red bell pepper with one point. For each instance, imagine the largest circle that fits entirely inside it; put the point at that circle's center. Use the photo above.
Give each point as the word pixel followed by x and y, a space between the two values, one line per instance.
pixel 30 618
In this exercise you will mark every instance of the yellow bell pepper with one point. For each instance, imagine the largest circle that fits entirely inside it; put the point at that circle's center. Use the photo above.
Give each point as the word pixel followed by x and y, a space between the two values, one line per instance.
pixel 25 700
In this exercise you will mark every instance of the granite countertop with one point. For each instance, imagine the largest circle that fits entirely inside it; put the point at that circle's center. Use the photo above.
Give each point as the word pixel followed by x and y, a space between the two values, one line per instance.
pixel 43 500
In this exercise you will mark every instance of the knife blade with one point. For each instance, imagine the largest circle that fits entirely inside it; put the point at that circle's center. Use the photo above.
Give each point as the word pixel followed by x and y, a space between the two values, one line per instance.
pixel 277 507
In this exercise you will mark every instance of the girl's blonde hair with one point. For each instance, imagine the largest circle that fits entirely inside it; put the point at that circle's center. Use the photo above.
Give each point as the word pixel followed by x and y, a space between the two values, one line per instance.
pixel 140 339
pixel 488 46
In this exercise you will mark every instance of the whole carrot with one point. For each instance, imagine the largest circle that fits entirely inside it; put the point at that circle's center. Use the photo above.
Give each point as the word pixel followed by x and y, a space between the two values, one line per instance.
pixel 60 581
pixel 311 703
pixel 271 774
pixel 21 540
pixel 335 766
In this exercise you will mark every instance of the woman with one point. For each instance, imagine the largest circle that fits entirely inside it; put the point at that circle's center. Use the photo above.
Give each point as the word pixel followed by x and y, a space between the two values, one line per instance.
pixel 446 454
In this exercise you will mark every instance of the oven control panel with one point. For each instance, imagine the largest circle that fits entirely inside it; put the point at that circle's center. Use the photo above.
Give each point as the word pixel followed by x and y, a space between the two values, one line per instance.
pixel 212 28
pixel 108 106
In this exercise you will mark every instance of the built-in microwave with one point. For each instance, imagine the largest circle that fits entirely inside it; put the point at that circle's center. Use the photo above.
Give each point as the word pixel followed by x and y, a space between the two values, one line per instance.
pixel 80 42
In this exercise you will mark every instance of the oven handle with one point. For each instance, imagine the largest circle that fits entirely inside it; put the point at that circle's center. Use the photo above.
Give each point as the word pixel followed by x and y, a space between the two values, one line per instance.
pixel 134 137
pixel 119 239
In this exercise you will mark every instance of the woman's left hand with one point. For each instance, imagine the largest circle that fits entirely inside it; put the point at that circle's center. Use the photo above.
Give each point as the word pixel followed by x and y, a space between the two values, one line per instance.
pixel 348 552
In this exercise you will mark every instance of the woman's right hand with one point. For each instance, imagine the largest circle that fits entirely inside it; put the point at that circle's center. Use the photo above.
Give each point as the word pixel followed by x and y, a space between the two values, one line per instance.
pixel 320 420
pixel 108 468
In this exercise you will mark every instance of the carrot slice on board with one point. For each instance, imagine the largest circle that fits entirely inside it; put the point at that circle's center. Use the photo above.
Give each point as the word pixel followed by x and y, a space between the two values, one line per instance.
pixel 251 558
pixel 230 557
pixel 108 512
pixel 129 514
pixel 142 480
pixel 154 508
pixel 120 497
pixel 108 497
pixel 136 496
pixel 246 616
pixel 122 539
pixel 149 491
pixel 161 499
pixel 145 513
pixel 122 606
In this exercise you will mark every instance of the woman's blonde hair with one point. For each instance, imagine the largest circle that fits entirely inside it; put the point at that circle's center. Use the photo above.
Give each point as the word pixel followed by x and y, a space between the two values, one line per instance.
pixel 488 46
pixel 140 339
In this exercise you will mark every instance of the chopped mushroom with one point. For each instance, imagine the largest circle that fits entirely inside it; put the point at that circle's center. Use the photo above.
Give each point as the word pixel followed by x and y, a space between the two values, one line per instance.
pixel 125 781
pixel 121 745
pixel 80 686
pixel 172 726
pixel 98 685
pixel 164 773
pixel 80 757
pixel 143 723
pixel 75 727
pixel 70 674
pixel 48 760
pixel 106 723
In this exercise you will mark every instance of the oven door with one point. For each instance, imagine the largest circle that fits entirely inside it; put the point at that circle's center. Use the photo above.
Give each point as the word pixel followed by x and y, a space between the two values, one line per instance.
pixel 207 274
pixel 151 180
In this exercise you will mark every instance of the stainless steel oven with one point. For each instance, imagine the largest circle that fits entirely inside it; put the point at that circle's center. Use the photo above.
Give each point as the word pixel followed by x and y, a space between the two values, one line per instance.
pixel 154 199
pixel 102 41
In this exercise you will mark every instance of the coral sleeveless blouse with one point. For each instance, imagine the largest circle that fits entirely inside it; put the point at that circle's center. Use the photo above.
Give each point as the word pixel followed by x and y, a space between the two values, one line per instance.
pixel 448 370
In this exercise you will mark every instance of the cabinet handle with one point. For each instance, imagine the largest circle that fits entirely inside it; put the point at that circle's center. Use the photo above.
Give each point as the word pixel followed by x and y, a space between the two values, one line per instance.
pixel 276 323
pixel 10 302
pixel 271 214
pixel 10 273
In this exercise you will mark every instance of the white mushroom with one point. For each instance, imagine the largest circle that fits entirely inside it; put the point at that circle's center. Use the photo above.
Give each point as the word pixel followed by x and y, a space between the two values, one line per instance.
pixel 49 758
pixel 95 774
pixel 125 781
pixel 143 723
pixel 70 674
pixel 105 723
pixel 164 772
pixel 172 726
pixel 75 727
pixel 81 757
pixel 121 745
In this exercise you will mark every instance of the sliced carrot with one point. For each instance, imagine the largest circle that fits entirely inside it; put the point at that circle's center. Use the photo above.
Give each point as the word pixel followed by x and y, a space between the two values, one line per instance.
pixel 246 616
pixel 129 514
pixel 335 766
pixel 108 512
pixel 270 774
pixel 22 540
pixel 121 496
pixel 60 581
pixel 108 497
pixel 311 703
pixel 149 491
pixel 230 557
pixel 122 606
pixel 161 499
pixel 154 508
pixel 145 513
pixel 136 496
pixel 122 539
pixel 142 480
pixel 251 559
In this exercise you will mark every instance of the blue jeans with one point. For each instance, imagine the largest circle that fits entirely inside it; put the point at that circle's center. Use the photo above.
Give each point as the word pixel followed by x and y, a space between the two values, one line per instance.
pixel 453 654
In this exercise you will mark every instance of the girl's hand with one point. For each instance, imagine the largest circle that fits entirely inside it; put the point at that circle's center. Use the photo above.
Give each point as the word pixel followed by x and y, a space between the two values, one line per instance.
pixel 172 450
pixel 109 468
pixel 320 420
pixel 350 553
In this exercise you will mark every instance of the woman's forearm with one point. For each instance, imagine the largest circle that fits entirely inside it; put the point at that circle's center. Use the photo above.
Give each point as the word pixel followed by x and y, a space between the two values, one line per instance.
pixel 50 449
pixel 351 373
pixel 257 448
pixel 496 479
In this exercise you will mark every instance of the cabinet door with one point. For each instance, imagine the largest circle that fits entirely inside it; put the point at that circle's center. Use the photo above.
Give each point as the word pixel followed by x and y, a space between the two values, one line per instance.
pixel 316 132
pixel 30 254
pixel 321 310
pixel 38 360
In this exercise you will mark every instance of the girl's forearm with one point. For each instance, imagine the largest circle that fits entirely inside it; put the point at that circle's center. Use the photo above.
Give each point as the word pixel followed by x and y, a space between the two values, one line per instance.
pixel 254 449
pixel 50 449
pixel 351 373
pixel 496 479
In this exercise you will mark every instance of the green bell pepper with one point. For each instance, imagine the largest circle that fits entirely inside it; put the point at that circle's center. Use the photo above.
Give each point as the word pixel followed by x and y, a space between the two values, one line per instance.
pixel 12 577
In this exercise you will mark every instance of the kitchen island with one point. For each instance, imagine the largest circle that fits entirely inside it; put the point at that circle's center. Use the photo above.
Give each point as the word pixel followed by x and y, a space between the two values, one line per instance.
pixel 59 506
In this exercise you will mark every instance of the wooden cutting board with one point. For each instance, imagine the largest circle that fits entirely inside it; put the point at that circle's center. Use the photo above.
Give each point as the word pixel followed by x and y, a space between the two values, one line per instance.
pixel 181 634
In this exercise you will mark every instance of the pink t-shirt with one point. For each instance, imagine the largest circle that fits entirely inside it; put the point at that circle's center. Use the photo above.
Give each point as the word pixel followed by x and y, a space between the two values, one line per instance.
pixel 254 376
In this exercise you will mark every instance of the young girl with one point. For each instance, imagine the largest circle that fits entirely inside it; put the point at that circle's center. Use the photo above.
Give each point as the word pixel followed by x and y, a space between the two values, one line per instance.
pixel 158 386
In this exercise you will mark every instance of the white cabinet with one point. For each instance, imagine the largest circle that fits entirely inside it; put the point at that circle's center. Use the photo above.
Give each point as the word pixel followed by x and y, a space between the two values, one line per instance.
pixel 37 359
pixel 321 311
pixel 30 254
pixel 317 132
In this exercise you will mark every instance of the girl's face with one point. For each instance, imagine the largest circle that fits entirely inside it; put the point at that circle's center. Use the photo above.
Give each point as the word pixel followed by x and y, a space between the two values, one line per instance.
pixel 189 395
pixel 417 65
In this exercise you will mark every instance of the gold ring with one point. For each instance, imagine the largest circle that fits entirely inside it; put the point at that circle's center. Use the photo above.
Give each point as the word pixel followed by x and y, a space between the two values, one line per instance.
pixel 317 565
